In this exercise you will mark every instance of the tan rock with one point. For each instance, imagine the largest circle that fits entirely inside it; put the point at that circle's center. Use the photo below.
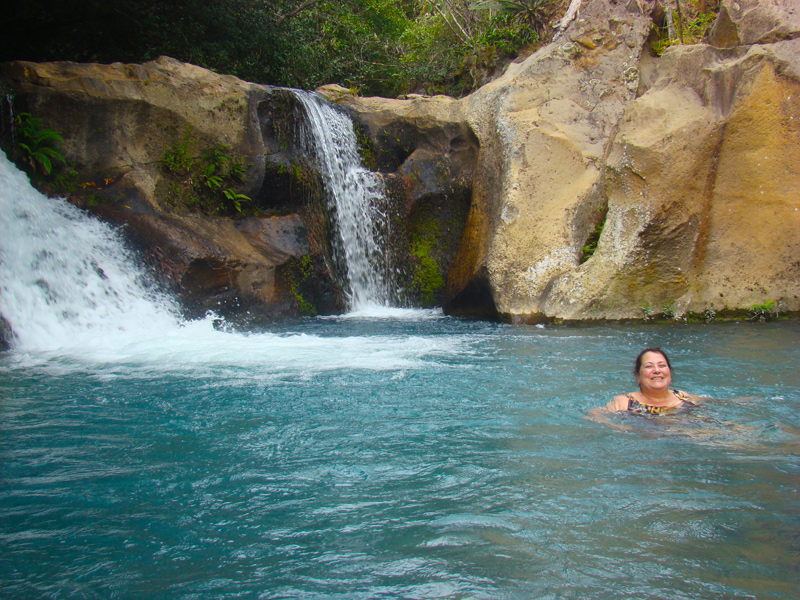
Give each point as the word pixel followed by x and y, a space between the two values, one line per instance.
pixel 545 129
pixel 702 181
pixel 121 116
pixel 747 22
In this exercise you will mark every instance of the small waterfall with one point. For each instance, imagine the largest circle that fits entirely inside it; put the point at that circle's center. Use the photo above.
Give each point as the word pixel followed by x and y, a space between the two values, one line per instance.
pixel 67 279
pixel 355 195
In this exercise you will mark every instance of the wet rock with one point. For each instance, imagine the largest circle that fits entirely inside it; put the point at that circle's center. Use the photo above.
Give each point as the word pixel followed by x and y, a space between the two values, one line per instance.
pixel 5 334
pixel 119 121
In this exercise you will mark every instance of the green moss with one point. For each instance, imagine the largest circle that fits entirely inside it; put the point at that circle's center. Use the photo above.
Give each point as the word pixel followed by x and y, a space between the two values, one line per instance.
pixel 427 277
pixel 591 243
pixel 299 275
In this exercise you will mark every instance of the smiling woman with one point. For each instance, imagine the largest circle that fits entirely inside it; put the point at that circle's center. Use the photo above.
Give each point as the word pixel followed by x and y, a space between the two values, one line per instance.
pixel 654 374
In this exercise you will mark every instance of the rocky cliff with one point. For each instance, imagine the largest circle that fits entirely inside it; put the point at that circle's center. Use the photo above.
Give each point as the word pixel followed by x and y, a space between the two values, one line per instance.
pixel 685 165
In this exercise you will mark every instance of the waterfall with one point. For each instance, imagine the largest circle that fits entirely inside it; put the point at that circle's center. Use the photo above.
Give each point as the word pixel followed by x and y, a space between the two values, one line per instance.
pixel 355 196
pixel 67 279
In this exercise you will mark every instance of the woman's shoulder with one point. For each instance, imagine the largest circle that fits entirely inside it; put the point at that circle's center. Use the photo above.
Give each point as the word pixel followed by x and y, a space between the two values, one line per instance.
pixel 686 396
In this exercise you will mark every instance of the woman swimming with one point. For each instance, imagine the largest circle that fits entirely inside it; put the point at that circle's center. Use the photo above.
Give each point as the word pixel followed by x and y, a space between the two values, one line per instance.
pixel 654 374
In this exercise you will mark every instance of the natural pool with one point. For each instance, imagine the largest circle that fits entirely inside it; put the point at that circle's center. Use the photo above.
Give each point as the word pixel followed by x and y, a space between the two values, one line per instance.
pixel 407 455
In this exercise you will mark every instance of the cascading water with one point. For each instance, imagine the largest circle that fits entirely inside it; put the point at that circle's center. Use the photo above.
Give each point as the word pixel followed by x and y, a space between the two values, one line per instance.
pixel 354 196
pixel 67 278
pixel 73 293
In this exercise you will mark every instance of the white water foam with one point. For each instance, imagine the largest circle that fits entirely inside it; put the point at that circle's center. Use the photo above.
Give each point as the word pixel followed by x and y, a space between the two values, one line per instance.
pixel 391 313
pixel 67 280
pixel 75 297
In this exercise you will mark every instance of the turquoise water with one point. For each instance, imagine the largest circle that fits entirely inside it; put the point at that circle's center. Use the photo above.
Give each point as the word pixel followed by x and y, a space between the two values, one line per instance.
pixel 411 456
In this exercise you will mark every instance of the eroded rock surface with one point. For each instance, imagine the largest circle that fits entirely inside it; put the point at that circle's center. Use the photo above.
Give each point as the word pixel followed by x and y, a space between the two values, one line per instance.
pixel 117 122
pixel 690 163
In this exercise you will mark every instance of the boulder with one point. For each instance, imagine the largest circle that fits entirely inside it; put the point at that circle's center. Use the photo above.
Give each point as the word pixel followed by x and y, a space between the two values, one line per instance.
pixel 119 121
pixel 545 129
pixel 688 162
pixel 747 22
pixel 703 214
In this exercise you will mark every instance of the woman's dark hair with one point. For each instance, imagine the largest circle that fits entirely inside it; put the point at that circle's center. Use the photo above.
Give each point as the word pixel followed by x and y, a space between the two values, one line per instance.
pixel 637 367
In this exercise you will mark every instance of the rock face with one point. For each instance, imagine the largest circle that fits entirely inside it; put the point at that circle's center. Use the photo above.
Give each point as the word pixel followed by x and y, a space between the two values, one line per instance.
pixel 428 155
pixel 119 120
pixel 701 185
pixel 689 159
pixel 688 163
pixel 747 22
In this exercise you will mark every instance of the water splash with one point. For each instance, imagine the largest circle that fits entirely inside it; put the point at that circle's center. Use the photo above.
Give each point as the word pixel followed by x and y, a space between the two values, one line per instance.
pixel 355 195
pixel 77 298
pixel 68 279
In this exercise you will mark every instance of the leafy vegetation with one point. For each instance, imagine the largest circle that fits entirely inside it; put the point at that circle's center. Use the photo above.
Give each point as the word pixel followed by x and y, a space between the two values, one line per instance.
pixel 688 26
pixel 532 12
pixel 764 311
pixel 299 274
pixel 384 47
pixel 37 147
pixel 205 184
pixel 591 243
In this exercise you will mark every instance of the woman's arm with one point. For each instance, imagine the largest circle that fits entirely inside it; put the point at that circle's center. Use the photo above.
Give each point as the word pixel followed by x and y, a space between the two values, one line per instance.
pixel 599 414
pixel 691 397
pixel 619 403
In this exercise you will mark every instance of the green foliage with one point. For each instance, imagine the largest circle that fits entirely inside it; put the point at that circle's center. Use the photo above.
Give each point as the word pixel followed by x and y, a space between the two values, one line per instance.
pixel 176 159
pixel 668 310
pixel 647 312
pixel 300 273
pixel 205 183
pixel 380 47
pixel 455 52
pixel 531 12
pixel 591 243
pixel 764 312
pixel 36 146
pixel 693 32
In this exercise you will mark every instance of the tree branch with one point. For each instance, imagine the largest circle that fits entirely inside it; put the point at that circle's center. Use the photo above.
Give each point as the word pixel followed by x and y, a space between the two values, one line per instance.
pixel 568 17
pixel 296 11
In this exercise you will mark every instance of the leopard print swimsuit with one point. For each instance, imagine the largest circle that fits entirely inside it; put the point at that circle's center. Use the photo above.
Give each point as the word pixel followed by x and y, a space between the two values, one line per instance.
pixel 640 408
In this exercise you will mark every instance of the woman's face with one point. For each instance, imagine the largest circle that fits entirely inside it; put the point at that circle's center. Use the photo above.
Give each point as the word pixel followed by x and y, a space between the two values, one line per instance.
pixel 654 374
